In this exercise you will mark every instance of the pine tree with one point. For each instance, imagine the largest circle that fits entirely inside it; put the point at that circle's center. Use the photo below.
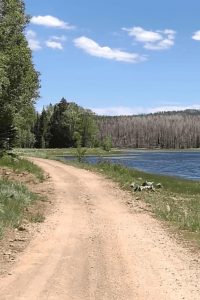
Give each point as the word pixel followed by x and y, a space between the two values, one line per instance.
pixel 71 124
pixel 19 82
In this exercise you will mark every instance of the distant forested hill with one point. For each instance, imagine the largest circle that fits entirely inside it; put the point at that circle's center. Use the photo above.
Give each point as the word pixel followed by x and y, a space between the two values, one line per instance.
pixel 176 130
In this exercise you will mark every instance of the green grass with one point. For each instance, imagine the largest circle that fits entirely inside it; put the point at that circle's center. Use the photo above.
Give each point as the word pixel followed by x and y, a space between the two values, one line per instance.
pixel 21 165
pixel 177 202
pixel 50 153
pixel 14 198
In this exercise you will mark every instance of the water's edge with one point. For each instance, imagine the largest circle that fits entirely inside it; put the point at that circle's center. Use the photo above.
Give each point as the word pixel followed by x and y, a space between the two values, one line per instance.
pixel 184 164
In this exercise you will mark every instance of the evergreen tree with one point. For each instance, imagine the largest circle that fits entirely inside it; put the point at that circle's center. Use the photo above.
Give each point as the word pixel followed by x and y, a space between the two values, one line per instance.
pixel 19 82
pixel 59 135
pixel 88 128
pixel 42 128
pixel 71 124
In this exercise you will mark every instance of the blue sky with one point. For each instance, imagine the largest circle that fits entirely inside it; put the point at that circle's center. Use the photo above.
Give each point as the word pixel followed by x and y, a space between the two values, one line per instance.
pixel 117 56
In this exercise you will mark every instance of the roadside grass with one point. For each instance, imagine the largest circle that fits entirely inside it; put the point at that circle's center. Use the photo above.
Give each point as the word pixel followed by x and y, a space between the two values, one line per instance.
pixel 50 153
pixel 21 165
pixel 14 199
pixel 177 202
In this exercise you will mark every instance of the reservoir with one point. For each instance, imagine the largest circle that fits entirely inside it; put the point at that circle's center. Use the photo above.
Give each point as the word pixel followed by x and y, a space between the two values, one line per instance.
pixel 185 164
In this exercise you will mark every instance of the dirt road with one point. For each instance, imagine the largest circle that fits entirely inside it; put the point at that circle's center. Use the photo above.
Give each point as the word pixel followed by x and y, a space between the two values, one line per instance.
pixel 92 247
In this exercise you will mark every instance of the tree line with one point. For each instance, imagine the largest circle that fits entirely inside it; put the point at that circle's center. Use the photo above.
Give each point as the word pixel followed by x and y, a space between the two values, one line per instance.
pixel 65 124
pixel 19 81
pixel 165 130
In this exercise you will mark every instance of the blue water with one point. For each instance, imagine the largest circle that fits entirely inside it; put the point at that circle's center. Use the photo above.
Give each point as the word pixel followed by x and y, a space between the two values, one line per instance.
pixel 183 164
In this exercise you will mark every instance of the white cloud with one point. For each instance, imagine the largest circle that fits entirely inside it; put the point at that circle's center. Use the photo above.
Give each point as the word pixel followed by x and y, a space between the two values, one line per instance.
pixel 153 40
pixel 173 108
pixel 162 45
pixel 142 35
pixel 56 42
pixel 123 110
pixel 31 34
pixel 61 38
pixel 196 36
pixel 50 21
pixel 114 111
pixel 33 42
pixel 54 45
pixel 94 49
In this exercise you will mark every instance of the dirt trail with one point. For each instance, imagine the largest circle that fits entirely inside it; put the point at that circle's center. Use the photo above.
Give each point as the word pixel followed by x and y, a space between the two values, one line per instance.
pixel 92 247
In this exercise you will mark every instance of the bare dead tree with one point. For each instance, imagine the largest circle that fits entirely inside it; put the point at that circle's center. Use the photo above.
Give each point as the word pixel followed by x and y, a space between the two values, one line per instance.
pixel 170 130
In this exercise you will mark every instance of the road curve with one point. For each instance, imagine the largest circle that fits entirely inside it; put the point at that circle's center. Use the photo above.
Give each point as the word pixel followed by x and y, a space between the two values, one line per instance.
pixel 92 247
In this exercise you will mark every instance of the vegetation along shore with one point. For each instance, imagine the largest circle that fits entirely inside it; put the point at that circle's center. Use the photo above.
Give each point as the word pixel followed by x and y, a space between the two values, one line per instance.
pixel 177 201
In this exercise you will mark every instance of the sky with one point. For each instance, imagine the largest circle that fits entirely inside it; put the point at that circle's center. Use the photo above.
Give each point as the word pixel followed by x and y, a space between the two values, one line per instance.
pixel 117 57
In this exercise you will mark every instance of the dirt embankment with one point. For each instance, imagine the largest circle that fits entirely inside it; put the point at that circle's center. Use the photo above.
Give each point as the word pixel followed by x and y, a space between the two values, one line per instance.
pixel 14 241
pixel 93 247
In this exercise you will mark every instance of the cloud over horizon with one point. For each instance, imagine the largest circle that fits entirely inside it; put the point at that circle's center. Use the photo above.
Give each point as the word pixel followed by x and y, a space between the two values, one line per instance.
pixel 93 48
pixel 124 110
pixel 152 40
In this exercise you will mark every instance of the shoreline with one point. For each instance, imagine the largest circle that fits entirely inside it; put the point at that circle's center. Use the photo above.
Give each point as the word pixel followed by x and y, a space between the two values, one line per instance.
pixel 177 203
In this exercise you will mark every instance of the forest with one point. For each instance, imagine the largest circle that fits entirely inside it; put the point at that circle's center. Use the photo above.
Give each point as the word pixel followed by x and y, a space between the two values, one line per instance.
pixel 66 124
pixel 164 130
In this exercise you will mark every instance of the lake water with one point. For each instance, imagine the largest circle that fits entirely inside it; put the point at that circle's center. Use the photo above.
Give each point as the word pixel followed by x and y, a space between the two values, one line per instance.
pixel 183 164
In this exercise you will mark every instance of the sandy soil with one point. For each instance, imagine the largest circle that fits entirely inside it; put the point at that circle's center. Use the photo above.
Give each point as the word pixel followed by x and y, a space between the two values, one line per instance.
pixel 92 247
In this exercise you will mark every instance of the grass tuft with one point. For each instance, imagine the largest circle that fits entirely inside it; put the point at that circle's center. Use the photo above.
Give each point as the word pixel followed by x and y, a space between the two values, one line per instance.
pixel 14 198
pixel 21 165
